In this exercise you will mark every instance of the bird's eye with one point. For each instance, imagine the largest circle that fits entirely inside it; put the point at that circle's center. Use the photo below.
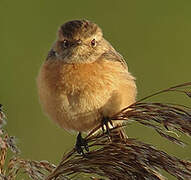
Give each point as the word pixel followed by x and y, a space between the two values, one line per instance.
pixel 93 42
pixel 65 44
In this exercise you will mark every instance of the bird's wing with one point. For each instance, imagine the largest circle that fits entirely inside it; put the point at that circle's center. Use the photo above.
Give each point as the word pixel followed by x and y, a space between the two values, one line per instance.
pixel 112 55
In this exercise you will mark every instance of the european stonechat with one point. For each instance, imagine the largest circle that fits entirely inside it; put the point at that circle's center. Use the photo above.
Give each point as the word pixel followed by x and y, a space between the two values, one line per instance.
pixel 84 80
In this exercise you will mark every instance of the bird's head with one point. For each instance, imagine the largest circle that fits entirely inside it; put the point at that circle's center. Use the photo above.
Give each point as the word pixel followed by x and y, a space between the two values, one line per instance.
pixel 79 41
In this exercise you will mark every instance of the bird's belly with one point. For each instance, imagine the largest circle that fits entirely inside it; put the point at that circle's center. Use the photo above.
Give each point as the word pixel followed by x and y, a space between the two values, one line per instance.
pixel 80 110
pixel 77 97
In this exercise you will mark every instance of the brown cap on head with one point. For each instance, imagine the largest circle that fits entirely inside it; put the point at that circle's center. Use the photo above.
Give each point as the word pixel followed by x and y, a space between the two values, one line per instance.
pixel 77 29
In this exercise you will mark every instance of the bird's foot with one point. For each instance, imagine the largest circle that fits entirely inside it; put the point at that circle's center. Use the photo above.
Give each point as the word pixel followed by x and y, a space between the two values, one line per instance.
pixel 80 143
pixel 105 125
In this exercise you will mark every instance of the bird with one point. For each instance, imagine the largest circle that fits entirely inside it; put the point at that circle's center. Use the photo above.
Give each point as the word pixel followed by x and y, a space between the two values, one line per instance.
pixel 84 81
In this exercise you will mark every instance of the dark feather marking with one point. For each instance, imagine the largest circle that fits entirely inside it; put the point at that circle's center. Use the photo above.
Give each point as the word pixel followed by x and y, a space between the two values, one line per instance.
pixel 76 27
pixel 70 28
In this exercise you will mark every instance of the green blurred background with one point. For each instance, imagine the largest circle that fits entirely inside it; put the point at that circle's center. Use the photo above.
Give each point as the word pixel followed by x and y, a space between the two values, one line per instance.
pixel 153 36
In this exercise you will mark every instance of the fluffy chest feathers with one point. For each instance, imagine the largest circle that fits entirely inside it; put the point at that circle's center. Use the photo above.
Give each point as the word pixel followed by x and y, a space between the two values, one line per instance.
pixel 83 81
pixel 70 91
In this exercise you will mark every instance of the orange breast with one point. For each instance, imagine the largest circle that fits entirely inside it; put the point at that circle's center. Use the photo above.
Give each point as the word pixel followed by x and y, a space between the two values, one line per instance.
pixel 77 95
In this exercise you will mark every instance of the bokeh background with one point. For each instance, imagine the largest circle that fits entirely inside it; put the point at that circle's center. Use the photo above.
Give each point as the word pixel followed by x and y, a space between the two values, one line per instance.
pixel 153 36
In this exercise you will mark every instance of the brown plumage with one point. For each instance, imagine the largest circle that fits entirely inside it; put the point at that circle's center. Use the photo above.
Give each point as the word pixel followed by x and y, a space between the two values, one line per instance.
pixel 83 78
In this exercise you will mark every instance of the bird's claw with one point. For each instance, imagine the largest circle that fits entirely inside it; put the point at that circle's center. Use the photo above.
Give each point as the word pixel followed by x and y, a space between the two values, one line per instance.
pixel 105 123
pixel 80 143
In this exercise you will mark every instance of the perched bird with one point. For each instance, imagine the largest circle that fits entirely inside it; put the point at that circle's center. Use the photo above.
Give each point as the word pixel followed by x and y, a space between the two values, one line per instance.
pixel 84 80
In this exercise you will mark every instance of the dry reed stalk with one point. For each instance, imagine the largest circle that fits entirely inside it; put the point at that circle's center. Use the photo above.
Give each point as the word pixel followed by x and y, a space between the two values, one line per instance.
pixel 117 159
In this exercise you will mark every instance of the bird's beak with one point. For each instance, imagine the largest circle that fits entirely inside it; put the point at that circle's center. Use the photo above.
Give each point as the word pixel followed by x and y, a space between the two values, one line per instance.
pixel 78 42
